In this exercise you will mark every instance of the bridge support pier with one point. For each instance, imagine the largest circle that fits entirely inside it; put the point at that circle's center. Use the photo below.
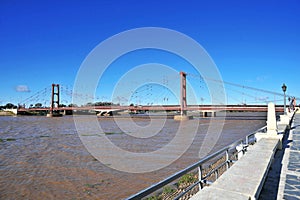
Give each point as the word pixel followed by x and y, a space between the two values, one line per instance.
pixel 206 114
pixel 182 117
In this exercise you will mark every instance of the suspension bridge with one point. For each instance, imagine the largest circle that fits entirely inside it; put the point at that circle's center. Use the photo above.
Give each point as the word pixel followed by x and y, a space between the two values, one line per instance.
pixel 57 95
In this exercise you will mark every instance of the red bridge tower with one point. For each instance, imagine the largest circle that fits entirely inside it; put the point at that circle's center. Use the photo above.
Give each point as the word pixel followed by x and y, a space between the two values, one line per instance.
pixel 54 101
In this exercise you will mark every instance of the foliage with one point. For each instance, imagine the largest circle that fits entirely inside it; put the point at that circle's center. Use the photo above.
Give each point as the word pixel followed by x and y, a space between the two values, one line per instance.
pixel 187 179
pixel 10 139
pixel 111 133
pixel 72 105
pixel 153 198
pixel 9 106
pixel 168 190
pixel 38 105
pixel 100 104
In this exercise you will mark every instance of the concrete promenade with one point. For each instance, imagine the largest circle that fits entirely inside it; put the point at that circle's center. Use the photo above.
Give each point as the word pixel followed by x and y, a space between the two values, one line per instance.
pixel 263 173
pixel 283 180
pixel 290 179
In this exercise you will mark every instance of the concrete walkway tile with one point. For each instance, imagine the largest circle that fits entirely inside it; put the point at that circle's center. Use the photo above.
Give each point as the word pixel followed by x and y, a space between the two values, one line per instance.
pixel 262 148
pixel 259 155
pixel 264 145
pixel 296 131
pixel 296 137
pixel 294 161
pixel 235 183
pixel 292 187
pixel 212 193
pixel 252 172
pixel 296 146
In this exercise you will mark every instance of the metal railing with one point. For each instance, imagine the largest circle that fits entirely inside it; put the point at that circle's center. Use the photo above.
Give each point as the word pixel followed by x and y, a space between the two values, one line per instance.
pixel 202 179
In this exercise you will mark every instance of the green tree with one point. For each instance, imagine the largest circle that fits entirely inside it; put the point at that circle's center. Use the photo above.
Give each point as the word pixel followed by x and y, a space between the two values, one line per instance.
pixel 72 105
pixel 9 106
pixel 38 105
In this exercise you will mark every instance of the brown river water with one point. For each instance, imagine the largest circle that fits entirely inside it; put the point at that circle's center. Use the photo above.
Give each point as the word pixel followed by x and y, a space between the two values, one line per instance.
pixel 44 158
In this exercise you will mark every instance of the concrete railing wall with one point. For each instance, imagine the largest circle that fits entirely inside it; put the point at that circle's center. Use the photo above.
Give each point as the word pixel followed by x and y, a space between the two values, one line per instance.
pixel 245 179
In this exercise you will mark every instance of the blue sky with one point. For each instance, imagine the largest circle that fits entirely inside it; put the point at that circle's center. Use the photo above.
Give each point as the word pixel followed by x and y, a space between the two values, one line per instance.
pixel 253 43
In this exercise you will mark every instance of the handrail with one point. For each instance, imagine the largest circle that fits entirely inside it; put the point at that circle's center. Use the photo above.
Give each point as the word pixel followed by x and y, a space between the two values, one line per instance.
pixel 159 185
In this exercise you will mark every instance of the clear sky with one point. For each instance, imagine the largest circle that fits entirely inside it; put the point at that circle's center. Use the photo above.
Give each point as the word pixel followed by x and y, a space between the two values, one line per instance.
pixel 253 43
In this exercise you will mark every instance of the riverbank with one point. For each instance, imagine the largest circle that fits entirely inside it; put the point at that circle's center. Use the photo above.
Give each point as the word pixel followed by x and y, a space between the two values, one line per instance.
pixel 6 113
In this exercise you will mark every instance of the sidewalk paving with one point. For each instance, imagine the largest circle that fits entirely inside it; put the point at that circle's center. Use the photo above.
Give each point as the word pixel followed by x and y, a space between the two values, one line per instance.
pixel 291 168
pixel 283 180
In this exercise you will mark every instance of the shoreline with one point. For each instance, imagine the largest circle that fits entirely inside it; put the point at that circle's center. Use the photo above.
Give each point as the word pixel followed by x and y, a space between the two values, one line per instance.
pixel 6 113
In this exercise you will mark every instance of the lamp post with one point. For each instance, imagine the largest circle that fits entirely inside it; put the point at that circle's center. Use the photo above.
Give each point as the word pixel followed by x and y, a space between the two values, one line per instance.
pixel 284 100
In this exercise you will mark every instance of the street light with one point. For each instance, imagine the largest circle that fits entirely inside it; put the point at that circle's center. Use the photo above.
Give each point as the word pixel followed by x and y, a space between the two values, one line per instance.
pixel 284 89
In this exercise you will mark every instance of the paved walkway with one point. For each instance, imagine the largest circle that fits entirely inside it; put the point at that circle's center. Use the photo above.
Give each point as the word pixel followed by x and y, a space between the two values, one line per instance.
pixel 283 180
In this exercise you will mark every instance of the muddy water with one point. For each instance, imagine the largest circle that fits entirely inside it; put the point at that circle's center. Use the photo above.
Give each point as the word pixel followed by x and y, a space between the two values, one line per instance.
pixel 44 158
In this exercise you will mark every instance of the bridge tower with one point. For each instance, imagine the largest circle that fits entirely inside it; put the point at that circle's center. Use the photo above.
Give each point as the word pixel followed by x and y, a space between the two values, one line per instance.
pixel 183 103
pixel 54 101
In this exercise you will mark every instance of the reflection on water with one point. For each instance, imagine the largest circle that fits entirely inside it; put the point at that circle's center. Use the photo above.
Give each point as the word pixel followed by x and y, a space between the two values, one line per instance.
pixel 43 158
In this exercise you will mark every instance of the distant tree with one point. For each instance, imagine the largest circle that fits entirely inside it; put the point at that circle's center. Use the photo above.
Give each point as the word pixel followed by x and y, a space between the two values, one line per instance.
pixel 62 105
pixel 72 105
pixel 21 105
pixel 9 106
pixel 131 104
pixel 38 105
pixel 108 103
pixel 89 104
pixel 99 104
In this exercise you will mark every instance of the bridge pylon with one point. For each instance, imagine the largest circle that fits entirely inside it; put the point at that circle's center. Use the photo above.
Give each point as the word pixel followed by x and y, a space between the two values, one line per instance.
pixel 183 102
pixel 54 101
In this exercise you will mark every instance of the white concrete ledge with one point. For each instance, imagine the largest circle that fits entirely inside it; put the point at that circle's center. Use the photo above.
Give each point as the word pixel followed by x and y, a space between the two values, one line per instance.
pixel 246 177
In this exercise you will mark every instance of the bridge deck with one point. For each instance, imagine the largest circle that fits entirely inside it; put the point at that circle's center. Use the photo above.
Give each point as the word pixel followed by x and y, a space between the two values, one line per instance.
pixel 164 108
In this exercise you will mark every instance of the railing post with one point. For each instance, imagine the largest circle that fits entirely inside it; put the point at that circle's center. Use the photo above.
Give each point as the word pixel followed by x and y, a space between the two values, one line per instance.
pixel 227 160
pixel 200 177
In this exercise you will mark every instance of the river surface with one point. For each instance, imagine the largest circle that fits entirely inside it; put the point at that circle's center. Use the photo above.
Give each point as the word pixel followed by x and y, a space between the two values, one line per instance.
pixel 44 158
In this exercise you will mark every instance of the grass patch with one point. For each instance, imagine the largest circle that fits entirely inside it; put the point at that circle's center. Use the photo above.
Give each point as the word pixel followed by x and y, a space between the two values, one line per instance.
pixel 42 136
pixel 168 190
pixel 187 179
pixel 153 198
pixel 112 133
pixel 1 140
pixel 10 139
pixel 89 135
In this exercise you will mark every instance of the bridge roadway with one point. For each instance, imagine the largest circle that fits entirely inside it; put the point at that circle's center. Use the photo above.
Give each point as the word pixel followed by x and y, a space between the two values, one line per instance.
pixel 252 108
